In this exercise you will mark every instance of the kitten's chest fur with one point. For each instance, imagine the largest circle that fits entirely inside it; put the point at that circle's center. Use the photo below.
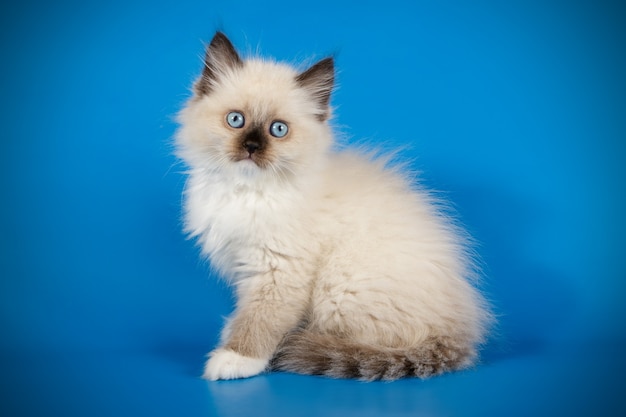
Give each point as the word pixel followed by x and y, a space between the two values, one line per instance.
pixel 242 226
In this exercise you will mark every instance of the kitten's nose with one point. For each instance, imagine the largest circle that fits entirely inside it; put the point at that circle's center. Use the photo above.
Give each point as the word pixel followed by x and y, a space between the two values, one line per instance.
pixel 251 146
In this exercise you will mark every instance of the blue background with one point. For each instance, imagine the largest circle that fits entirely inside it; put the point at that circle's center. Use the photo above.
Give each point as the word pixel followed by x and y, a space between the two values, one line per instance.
pixel 515 110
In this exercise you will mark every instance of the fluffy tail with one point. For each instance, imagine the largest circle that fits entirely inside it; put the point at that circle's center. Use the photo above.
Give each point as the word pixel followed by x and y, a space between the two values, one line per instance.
pixel 306 352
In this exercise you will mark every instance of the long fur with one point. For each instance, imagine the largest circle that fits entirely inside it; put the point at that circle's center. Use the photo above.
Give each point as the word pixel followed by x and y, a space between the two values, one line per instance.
pixel 342 266
pixel 314 353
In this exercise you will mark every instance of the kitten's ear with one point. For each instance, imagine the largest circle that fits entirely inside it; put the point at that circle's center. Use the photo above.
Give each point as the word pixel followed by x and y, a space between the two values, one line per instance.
pixel 220 57
pixel 319 81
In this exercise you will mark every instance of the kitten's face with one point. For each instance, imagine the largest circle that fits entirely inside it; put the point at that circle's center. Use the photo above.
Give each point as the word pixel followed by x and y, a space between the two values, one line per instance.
pixel 254 116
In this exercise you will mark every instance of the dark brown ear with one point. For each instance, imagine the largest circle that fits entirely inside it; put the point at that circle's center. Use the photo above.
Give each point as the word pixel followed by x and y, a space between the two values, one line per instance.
pixel 319 81
pixel 219 58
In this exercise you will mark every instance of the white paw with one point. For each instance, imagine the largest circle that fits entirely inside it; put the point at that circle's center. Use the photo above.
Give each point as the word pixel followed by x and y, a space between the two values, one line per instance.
pixel 227 364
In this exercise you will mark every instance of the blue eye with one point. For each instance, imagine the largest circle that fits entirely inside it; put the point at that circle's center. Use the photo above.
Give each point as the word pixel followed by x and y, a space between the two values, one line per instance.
pixel 235 119
pixel 278 129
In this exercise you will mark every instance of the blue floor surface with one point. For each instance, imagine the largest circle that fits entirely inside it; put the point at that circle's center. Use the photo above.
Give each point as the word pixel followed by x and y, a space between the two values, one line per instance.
pixel 514 111
pixel 166 383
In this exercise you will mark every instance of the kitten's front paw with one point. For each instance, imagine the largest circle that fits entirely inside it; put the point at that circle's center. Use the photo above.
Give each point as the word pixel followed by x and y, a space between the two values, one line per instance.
pixel 227 364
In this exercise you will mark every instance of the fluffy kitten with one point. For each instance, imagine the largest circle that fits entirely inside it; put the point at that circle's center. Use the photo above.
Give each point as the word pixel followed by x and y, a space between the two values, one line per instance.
pixel 341 267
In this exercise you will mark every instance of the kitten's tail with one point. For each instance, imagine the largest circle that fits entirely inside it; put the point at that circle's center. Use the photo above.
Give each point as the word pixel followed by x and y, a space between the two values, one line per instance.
pixel 307 352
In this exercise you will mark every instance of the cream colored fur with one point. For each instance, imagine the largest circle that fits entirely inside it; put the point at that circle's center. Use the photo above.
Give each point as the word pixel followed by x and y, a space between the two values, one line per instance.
pixel 334 241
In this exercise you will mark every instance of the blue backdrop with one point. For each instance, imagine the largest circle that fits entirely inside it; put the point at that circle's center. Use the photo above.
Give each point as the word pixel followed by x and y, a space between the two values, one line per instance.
pixel 516 110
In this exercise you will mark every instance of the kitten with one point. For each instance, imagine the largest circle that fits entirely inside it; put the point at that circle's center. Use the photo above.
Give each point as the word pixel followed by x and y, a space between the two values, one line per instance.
pixel 341 267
